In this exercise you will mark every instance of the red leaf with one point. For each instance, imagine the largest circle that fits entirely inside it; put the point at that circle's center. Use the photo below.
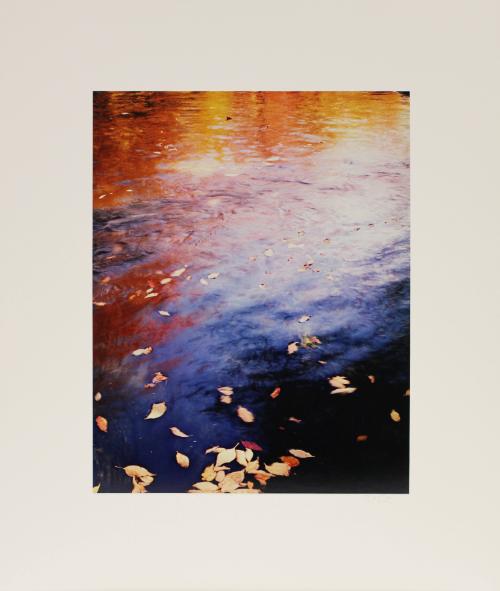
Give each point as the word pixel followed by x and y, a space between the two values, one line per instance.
pixel 252 445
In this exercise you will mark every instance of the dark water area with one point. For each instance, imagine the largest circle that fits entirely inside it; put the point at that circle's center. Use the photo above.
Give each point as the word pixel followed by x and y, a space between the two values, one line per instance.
pixel 300 203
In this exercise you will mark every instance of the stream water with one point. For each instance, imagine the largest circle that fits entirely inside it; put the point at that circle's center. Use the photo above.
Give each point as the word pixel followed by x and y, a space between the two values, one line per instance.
pixel 300 202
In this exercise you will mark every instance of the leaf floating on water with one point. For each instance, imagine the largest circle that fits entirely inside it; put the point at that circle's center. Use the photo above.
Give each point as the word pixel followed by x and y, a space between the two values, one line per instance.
pixel 338 381
pixel 278 469
pixel 216 449
pixel 178 432
pixel 241 457
pixel 343 391
pixel 102 424
pixel 226 390
pixel 300 453
pixel 308 341
pixel 159 377
pixel 163 313
pixel 361 438
pixel 203 281
pixel 157 410
pixel 293 347
pixel 213 275
pixel 99 304
pixel 166 280
pixel 371 378
pixel 275 393
pixel 248 454
pixel 395 416
pixel 182 460
pixel 245 415
pixel 206 486
pixel 252 445
pixel 95 489
pixel 145 351
pixel 208 473
pixel 304 318
pixel 225 456
pixel 269 252
pixel 98 396
pixel 290 460
pixel 252 466
pixel 225 399
pixel 321 362
pixel 295 420
pixel 150 295
pixel 178 272
pixel 149 290
pixel 262 477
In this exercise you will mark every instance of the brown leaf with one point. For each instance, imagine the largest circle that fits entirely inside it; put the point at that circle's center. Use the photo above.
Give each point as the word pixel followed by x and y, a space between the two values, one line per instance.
pixel 182 460
pixel 290 460
pixel 361 438
pixel 158 409
pixel 262 477
pixel 102 424
pixel 245 415
pixel 275 393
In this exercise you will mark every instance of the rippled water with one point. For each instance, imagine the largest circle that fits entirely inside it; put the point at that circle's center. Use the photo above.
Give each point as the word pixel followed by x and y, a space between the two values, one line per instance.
pixel 211 181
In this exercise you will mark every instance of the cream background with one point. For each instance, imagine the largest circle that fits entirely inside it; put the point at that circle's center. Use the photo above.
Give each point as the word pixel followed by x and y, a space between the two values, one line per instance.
pixel 56 535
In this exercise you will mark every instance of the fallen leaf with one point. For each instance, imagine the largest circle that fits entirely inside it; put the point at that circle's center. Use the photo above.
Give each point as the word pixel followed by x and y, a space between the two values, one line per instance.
pixel 216 449
pixel 371 378
pixel 248 454
pixel 338 381
pixel 166 280
pixel 252 467
pixel 226 390
pixel 361 438
pixel 269 252
pixel 407 393
pixel 228 485
pixel 343 391
pixel 99 304
pixel 158 409
pixel 203 281
pixel 252 445
pixel 262 477
pixel 225 399
pixel 219 477
pixel 262 285
pixel 182 460
pixel 145 351
pixel 304 318
pixel 206 486
pixel 213 275
pixel 178 272
pixel 395 416
pixel 102 423
pixel 209 473
pixel 241 457
pixel 308 341
pixel 278 469
pixel 178 432
pixel 247 490
pixel 149 290
pixel 163 313
pixel 225 456
pixel 95 489
pixel 293 347
pixel 300 453
pixel 159 377
pixel 97 396
pixel 290 460
pixel 275 393
pixel 150 295
pixel 245 415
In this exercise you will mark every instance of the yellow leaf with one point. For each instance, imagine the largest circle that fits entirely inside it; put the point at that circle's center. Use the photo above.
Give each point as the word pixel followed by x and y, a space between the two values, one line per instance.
pixel 150 295
pixel 97 396
pixel 226 399
pixel 252 467
pixel 145 351
pixel 226 390
pixel 262 477
pixel 102 423
pixel 278 469
pixel 206 486
pixel 225 456
pixel 228 485
pixel 209 473
pixel 182 460
pixel 157 410
pixel 159 377
pixel 245 415
pixel 241 457
pixel 247 491
pixel 338 381
pixel 166 280
pixel 178 432
pixel 178 272
pixel 248 454
pixel 293 347
pixel 216 449
pixel 219 476
pixel 163 313
pixel 300 453
pixel 343 391
pixel 138 471
pixel 395 416
pixel 95 489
